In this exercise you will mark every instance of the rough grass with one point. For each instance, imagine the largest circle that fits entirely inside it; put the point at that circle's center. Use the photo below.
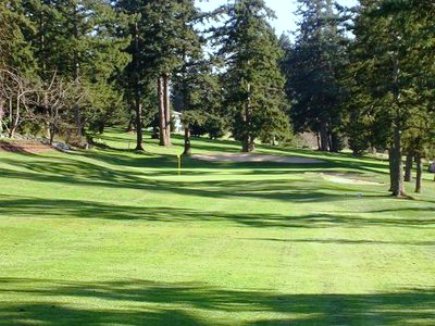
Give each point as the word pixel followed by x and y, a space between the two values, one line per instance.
pixel 113 237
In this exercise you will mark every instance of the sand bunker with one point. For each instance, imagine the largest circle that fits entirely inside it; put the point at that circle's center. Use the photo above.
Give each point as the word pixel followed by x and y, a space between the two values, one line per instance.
pixel 347 180
pixel 248 157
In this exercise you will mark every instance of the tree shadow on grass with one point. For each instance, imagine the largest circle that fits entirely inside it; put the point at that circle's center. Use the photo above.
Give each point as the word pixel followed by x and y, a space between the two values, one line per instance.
pixel 72 171
pixel 338 160
pixel 141 302
pixel 203 144
pixel 87 174
pixel 36 208
pixel 348 241
pixel 128 158
pixel 53 313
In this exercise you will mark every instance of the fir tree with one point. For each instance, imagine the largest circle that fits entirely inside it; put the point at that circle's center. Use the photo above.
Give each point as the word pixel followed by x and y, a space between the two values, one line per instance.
pixel 162 35
pixel 254 85
pixel 391 48
pixel 313 66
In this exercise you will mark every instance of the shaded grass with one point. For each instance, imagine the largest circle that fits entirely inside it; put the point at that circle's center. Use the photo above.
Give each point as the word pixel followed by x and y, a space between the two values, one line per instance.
pixel 402 307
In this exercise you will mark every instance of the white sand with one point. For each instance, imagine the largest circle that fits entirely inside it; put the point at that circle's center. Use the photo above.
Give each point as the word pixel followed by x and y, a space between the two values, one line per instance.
pixel 344 180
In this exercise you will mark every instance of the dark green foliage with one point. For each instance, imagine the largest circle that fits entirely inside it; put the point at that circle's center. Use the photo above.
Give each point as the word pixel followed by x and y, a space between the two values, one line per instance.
pixel 198 90
pixel 15 52
pixel 69 41
pixel 162 35
pixel 391 50
pixel 253 83
pixel 313 66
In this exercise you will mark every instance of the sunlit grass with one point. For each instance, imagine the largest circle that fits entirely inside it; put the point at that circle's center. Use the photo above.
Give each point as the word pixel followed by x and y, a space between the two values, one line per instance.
pixel 115 237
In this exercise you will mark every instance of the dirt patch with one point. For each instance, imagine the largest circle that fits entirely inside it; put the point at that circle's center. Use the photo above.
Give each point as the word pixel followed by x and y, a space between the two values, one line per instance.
pixel 24 146
pixel 245 157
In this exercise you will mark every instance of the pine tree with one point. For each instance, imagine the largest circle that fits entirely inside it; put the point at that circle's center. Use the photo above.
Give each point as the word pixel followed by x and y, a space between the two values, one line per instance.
pixel 16 63
pixel 171 38
pixel 197 93
pixel 75 40
pixel 162 35
pixel 390 49
pixel 313 67
pixel 254 85
pixel 15 52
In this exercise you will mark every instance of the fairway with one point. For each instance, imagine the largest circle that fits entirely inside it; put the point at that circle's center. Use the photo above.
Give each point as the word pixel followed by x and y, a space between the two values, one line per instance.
pixel 111 237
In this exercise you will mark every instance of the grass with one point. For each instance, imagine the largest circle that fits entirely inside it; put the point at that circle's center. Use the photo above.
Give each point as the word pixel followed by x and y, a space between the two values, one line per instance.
pixel 113 237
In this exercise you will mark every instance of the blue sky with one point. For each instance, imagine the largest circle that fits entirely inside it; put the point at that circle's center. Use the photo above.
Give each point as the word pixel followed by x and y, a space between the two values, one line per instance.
pixel 284 10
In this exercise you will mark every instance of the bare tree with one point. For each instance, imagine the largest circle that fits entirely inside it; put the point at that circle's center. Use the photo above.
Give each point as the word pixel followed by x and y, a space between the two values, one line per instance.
pixel 15 90
pixel 55 103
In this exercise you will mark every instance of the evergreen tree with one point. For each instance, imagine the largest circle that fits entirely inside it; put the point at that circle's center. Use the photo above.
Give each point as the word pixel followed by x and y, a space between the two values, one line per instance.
pixel 254 85
pixel 16 64
pixel 313 66
pixel 15 52
pixel 197 95
pixel 162 35
pixel 75 40
pixel 391 48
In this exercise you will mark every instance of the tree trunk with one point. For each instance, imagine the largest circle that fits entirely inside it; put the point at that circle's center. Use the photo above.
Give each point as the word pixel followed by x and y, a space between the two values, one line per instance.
pixel 131 123
pixel 330 145
pixel 76 72
pixel 408 166
pixel 319 145
pixel 155 133
pixel 187 145
pixel 245 145
pixel 251 144
pixel 78 119
pixel 16 120
pixel 139 134
pixel 137 91
pixel 391 168
pixel 2 112
pixel 167 103
pixel 419 177
pixel 12 131
pixel 101 127
pixel 398 184
pixel 48 129
pixel 162 112
pixel 335 142
pixel 52 134
pixel 247 142
pixel 324 141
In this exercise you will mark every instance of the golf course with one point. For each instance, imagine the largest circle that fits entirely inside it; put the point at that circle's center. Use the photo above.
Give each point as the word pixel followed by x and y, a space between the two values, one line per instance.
pixel 111 236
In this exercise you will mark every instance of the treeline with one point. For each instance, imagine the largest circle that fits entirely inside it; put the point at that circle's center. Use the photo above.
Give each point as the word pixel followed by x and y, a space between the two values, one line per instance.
pixel 365 76
pixel 70 67
pixel 360 77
